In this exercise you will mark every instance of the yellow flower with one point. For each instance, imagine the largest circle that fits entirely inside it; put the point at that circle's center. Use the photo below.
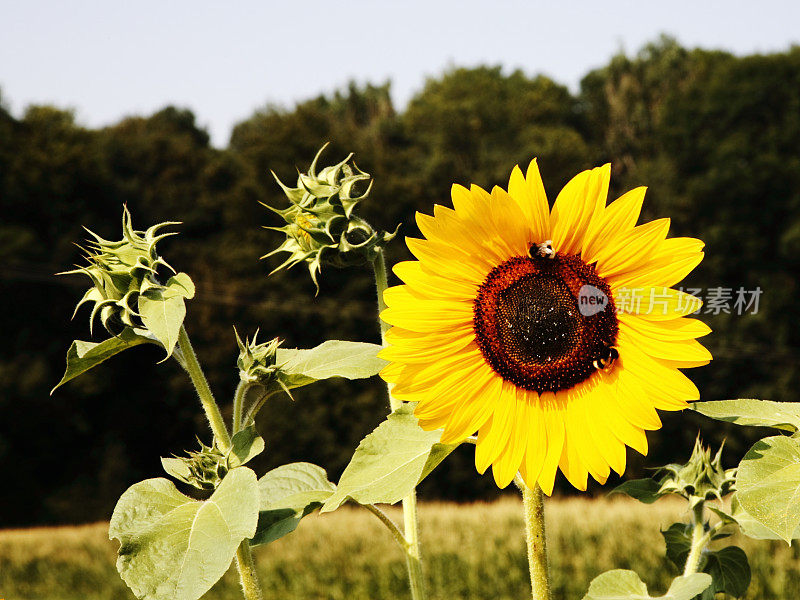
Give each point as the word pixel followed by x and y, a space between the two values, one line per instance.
pixel 553 334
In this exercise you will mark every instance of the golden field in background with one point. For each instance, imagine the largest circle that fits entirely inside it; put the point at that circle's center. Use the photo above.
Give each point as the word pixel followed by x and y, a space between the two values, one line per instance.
pixel 472 551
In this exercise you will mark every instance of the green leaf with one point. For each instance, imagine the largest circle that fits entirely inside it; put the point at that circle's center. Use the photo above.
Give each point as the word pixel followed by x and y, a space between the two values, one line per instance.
pixel 730 571
pixel 180 285
pixel 768 484
pixel 724 517
pixel 245 445
pixel 334 358
pixel 752 528
pixel 643 490
pixel 82 356
pixel 758 413
pixel 620 584
pixel 678 538
pixel 390 462
pixel 177 468
pixel 288 494
pixel 162 312
pixel 176 548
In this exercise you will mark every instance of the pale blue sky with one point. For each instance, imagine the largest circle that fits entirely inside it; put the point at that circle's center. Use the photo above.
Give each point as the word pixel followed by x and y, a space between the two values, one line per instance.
pixel 225 59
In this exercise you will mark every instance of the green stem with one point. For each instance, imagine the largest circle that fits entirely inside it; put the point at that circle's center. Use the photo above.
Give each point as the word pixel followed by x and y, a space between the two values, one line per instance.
pixel 204 391
pixel 413 554
pixel 533 505
pixel 390 525
pixel 238 404
pixel 244 557
pixel 251 587
pixel 700 539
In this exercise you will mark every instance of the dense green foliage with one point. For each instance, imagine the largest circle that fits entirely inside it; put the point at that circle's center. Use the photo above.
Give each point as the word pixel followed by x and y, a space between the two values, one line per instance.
pixel 714 136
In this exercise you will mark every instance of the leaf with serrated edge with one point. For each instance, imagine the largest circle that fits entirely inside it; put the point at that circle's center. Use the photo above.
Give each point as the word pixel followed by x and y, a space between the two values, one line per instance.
pixel 176 548
pixel 289 493
pixel 246 444
pixel 390 462
pixel 334 358
pixel 752 528
pixel 621 584
pixel 768 484
pixel 82 356
pixel 163 316
pixel 730 570
pixel 749 411
pixel 643 490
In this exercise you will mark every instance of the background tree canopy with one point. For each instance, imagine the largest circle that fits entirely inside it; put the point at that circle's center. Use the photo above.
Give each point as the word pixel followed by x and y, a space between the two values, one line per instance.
pixel 714 136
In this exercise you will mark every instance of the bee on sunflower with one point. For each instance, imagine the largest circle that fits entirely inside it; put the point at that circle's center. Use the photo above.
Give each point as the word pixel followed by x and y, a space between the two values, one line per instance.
pixel 518 322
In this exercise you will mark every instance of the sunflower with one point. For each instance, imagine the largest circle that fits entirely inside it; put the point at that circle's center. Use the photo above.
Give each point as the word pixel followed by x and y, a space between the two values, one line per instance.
pixel 553 334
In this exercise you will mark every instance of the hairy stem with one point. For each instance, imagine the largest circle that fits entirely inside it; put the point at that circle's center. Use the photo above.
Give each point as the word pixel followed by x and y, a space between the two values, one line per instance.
pixel 390 525
pixel 244 557
pixel 700 539
pixel 251 587
pixel 204 391
pixel 238 404
pixel 533 506
pixel 413 554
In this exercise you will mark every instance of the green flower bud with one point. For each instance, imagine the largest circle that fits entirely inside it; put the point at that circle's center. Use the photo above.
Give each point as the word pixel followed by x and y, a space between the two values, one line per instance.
pixel 700 479
pixel 258 364
pixel 320 225
pixel 121 271
pixel 203 470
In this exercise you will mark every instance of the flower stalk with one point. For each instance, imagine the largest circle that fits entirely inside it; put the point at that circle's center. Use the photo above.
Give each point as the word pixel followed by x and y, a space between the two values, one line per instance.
pixel 533 506
pixel 200 382
pixel 700 539
pixel 411 521
pixel 251 587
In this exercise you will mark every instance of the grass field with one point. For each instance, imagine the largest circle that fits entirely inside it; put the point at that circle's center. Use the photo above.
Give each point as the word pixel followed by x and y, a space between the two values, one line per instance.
pixel 473 551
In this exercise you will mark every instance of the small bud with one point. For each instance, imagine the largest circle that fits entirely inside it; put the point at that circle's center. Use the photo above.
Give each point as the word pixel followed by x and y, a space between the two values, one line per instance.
pixel 258 364
pixel 320 225
pixel 204 469
pixel 121 271
pixel 700 479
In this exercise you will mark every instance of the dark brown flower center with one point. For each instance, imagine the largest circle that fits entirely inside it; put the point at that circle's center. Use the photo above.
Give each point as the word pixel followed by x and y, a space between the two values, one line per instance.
pixel 545 323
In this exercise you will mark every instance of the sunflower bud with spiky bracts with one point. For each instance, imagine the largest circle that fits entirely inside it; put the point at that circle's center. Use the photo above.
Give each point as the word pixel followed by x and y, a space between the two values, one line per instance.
pixel 258 364
pixel 320 225
pixel 702 478
pixel 121 271
pixel 203 469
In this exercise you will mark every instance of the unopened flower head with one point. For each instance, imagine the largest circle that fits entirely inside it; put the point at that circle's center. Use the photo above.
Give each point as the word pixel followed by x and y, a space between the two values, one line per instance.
pixel 121 271
pixel 258 364
pixel 320 225
pixel 203 469
pixel 702 478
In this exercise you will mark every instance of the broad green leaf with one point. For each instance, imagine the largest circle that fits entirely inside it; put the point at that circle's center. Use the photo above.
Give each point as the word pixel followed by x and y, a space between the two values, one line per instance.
pixel 620 584
pixel 768 484
pixel 752 528
pixel 82 356
pixel 177 468
pixel 288 494
pixel 176 548
pixel 748 411
pixel 245 445
pixel 162 313
pixel 334 358
pixel 180 285
pixel 390 462
pixel 643 490
pixel 724 517
pixel 730 571
pixel 678 539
